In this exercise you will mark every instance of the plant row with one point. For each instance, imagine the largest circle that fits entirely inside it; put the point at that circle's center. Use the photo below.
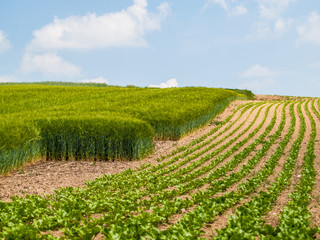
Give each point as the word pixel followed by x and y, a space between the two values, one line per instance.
pixel 71 199
pixel 194 181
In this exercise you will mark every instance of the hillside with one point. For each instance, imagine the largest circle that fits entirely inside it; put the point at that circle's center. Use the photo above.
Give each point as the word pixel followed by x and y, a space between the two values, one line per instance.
pixel 98 122
pixel 258 161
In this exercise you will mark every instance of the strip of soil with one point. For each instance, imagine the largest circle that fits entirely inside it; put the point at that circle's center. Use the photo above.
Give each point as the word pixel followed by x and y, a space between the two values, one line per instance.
pixel 272 217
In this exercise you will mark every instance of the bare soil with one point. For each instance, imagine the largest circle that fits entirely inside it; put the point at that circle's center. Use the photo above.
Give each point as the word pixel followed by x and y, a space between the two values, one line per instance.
pixel 43 177
pixel 315 196
pixel 222 220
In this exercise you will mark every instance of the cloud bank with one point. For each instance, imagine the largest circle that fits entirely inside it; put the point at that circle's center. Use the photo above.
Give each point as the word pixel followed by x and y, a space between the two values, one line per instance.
pixel 125 28
pixel 168 84
pixel 229 6
pixel 257 86
pixel 7 78
pixel 273 9
pixel 259 78
pixel 95 80
pixel 49 63
pixel 309 31
pixel 257 71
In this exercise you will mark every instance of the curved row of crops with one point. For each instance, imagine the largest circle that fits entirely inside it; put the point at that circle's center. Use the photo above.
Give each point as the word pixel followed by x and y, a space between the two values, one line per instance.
pixel 247 161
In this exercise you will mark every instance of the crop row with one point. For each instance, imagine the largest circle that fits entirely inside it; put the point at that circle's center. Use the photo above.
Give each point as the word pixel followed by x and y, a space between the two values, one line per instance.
pixel 195 182
pixel 58 203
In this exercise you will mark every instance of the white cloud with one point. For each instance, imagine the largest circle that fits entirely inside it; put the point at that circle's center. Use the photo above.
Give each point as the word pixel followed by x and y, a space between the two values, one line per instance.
pixel 4 42
pixel 125 28
pixel 258 86
pixel 271 24
pixel 282 25
pixel 222 3
pixel 257 71
pixel 272 9
pixel 265 30
pixel 261 30
pixel 239 10
pixel 7 78
pixel 309 31
pixel 315 65
pixel 48 63
pixel 230 7
pixel 95 80
pixel 168 84
pixel 261 78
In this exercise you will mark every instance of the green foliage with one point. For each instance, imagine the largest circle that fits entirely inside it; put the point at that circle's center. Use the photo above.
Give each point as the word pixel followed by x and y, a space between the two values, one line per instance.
pixel 63 122
pixel 137 204
pixel 99 138
pixel 246 92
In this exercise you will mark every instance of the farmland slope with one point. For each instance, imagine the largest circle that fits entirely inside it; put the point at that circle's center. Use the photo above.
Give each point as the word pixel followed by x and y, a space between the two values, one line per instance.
pixel 98 123
pixel 259 165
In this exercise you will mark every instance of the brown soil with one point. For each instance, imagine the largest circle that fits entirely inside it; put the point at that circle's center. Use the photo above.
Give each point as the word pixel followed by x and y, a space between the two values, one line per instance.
pixel 222 220
pixel 274 98
pixel 245 118
pixel 272 217
pixel 237 168
pixel 247 122
pixel 43 177
pixel 174 219
pixel 315 201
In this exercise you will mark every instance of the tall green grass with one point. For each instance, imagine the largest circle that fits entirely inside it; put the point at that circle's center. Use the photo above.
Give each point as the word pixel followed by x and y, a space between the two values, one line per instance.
pixel 91 122
pixel 95 138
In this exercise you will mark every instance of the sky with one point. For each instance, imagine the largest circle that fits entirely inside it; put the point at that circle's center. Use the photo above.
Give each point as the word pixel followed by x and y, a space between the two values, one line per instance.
pixel 267 46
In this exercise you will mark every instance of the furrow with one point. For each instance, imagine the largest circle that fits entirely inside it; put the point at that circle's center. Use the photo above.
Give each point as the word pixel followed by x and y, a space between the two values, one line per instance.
pixel 222 220
pixel 208 147
pixel 272 217
pixel 315 195
pixel 215 204
pixel 248 217
pixel 177 201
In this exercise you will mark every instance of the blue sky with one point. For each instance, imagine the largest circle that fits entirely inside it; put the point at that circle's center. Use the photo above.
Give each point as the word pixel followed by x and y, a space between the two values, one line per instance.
pixel 267 46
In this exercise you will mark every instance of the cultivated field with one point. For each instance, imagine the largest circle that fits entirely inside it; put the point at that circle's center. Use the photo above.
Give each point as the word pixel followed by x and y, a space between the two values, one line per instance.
pixel 81 122
pixel 260 164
